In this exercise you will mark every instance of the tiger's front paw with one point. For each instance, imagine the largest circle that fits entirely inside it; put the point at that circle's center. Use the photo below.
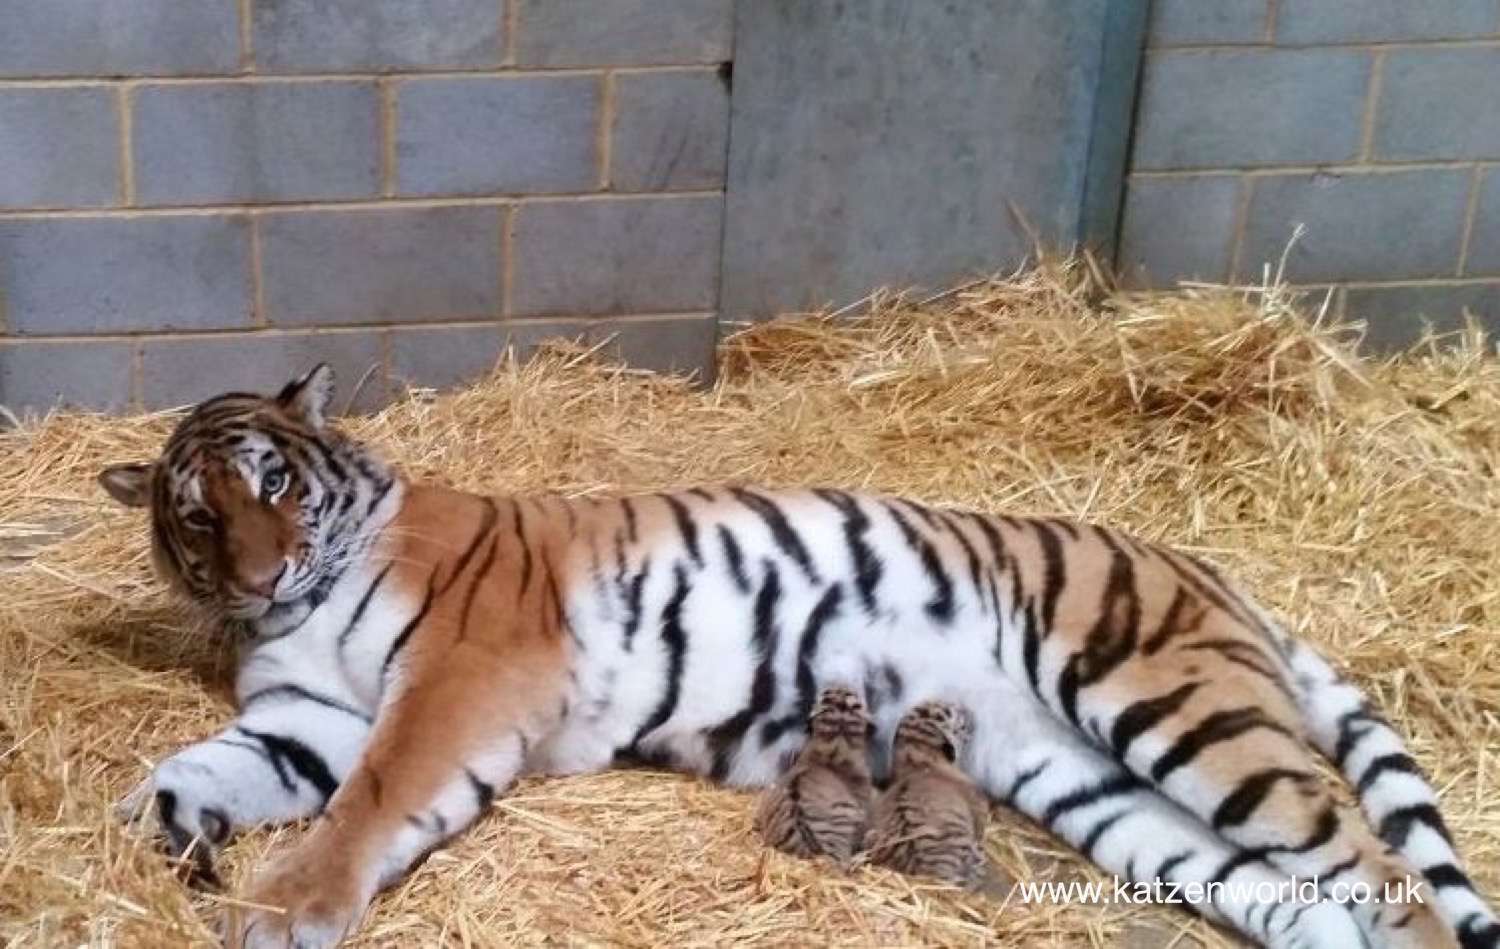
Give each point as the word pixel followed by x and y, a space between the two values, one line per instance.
pixel 296 904
pixel 190 829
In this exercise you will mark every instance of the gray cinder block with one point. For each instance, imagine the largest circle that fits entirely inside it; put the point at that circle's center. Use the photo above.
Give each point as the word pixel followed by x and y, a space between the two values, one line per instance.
pixel 331 35
pixel 1178 228
pixel 1373 21
pixel 372 266
pixel 635 255
pixel 671 131
pixel 37 375
pixel 486 135
pixel 1232 108
pixel 1394 225
pixel 61 276
pixel 204 143
pixel 59 147
pixel 623 32
pixel 117 38
pixel 1439 104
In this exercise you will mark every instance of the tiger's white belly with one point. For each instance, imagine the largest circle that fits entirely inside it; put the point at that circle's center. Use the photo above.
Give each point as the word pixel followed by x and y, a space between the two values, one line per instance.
pixel 896 653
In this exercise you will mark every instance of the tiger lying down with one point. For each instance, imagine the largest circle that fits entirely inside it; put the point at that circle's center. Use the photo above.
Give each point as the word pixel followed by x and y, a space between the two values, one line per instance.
pixel 411 649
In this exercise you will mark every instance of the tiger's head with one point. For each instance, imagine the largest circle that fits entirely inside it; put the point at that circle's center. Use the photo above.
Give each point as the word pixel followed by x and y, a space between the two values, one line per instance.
pixel 256 502
pixel 934 728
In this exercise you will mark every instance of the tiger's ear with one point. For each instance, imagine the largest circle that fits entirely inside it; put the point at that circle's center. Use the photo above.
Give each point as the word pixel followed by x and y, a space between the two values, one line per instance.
pixel 129 484
pixel 307 398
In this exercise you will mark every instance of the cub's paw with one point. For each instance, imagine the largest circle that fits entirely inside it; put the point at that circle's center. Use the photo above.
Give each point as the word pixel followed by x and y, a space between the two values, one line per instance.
pixel 190 827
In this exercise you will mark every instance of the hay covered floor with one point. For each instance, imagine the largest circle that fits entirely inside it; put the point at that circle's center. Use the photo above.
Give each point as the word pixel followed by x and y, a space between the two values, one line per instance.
pixel 1358 498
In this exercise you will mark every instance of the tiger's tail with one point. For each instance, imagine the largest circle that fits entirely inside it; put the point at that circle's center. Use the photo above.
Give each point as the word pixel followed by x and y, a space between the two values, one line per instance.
pixel 1393 793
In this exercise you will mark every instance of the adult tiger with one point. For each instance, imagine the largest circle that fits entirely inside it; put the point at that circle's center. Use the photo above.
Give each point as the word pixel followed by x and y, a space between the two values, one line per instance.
pixel 411 650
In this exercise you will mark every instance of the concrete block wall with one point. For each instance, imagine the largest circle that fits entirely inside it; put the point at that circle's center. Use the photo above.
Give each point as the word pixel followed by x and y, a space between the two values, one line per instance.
pixel 1370 122
pixel 210 195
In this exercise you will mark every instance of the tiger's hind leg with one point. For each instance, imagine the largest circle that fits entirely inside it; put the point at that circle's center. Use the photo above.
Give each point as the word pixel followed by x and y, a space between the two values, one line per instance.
pixel 1230 751
pixel 1024 757
pixel 1394 795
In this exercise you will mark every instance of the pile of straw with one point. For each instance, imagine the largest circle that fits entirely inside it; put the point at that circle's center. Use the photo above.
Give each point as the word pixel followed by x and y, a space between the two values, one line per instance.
pixel 1359 498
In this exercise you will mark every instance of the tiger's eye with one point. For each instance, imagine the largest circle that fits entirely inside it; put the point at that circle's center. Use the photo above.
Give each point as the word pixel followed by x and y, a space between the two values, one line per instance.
pixel 273 483
pixel 201 520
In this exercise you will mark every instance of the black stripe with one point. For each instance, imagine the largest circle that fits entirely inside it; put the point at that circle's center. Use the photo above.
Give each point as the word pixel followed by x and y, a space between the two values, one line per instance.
pixel 867 566
pixel 1110 641
pixel 1445 876
pixel 634 595
pixel 724 738
pixel 825 610
pixel 292 691
pixel 782 533
pixel 807 650
pixel 1474 932
pixel 1023 779
pixel 736 558
pixel 703 493
pixel 1349 737
pixel 1139 717
pixel 1066 526
pixel 1212 730
pixel 1386 764
pixel 383 487
pixel 1091 794
pixel 554 597
pixel 1239 861
pixel 1172 863
pixel 486 524
pixel 1054 575
pixel 1396 826
pixel 484 792
pixel 1031 643
pixel 997 553
pixel 519 526
pixel 1099 830
pixel 1342 867
pixel 479 576
pixel 1245 654
pixel 1227 601
pixel 991 536
pixel 1238 807
pixel 1327 827
pixel 364 603
pixel 940 606
pixel 970 554
pixel 629 508
pixel 920 510
pixel 674 639
pixel 686 526
pixel 405 634
pixel 255 749
pixel 308 764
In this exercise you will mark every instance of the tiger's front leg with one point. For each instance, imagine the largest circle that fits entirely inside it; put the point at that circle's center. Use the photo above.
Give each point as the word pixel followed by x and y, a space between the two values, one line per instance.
pixel 280 761
pixel 455 734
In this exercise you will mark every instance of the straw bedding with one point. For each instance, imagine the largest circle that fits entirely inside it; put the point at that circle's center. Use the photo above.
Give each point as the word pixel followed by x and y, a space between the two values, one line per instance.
pixel 1359 498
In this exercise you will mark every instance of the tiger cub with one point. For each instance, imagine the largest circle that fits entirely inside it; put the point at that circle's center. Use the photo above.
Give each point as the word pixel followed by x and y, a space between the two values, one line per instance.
pixel 407 650
pixel 821 806
pixel 930 821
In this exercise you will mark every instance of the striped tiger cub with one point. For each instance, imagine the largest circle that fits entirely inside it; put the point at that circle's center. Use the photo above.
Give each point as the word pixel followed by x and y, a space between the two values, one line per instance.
pixel 409 650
